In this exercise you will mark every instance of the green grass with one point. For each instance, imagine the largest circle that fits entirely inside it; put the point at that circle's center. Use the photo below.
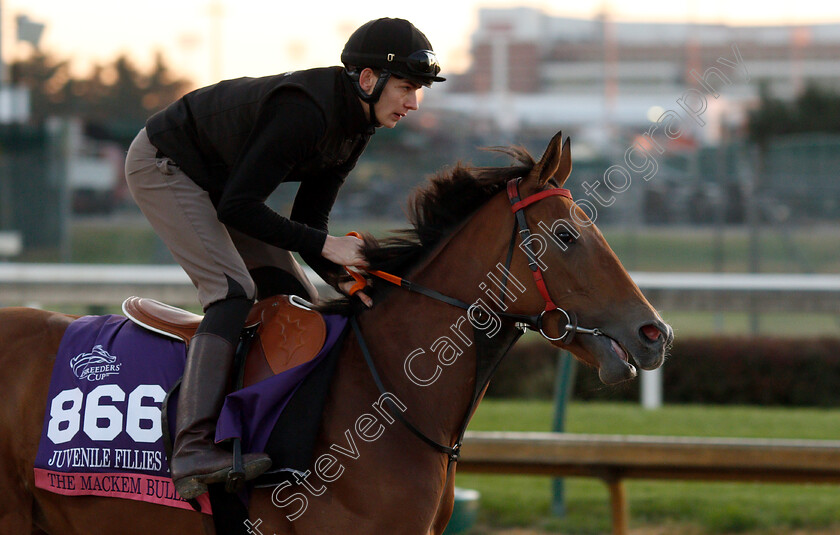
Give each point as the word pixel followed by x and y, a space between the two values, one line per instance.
pixel 687 420
pixel 702 249
pixel 689 323
pixel 101 244
pixel 646 249
pixel 686 249
pixel 691 507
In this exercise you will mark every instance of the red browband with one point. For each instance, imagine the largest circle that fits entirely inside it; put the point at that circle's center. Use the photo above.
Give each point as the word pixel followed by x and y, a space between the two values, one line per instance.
pixel 516 206
pixel 540 196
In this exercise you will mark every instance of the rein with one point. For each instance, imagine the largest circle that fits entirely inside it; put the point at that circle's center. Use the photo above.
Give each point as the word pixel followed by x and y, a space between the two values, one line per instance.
pixel 532 322
pixel 521 321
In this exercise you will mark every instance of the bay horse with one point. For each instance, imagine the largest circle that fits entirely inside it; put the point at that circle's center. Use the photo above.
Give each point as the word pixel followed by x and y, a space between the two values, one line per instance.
pixel 493 249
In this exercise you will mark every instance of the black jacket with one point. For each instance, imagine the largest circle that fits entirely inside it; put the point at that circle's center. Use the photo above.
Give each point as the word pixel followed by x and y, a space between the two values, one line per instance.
pixel 239 139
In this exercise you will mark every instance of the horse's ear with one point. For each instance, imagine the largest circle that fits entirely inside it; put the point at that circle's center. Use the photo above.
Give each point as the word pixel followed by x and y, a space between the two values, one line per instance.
pixel 556 161
pixel 565 167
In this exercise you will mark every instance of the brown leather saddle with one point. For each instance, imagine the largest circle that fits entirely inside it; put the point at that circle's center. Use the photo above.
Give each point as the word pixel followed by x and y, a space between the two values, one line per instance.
pixel 288 332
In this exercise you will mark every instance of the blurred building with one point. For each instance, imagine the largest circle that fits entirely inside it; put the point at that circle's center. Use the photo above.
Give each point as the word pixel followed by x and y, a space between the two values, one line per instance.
pixel 607 83
pixel 532 70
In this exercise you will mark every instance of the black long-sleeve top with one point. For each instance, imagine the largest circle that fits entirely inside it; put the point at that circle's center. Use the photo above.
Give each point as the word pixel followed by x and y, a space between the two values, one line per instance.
pixel 240 139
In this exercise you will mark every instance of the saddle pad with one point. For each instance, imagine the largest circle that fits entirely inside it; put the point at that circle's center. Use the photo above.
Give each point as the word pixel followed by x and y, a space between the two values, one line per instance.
pixel 102 428
pixel 251 413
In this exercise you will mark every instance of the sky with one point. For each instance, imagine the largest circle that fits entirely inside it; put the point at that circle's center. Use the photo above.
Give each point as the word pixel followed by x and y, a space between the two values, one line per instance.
pixel 260 37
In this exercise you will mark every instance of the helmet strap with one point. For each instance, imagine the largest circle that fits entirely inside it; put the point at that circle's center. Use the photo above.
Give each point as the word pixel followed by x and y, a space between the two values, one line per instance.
pixel 373 97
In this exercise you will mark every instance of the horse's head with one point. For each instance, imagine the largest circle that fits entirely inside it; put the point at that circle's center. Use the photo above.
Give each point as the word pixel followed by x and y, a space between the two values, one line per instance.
pixel 566 282
pixel 584 278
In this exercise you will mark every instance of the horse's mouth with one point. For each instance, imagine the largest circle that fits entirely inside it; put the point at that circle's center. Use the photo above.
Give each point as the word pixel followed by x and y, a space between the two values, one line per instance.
pixel 618 350
pixel 613 359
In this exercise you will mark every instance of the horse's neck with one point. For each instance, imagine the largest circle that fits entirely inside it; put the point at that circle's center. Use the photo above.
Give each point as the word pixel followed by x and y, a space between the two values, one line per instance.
pixel 426 351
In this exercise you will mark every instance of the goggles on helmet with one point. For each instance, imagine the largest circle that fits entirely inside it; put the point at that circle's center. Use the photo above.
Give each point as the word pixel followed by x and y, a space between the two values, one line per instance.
pixel 422 62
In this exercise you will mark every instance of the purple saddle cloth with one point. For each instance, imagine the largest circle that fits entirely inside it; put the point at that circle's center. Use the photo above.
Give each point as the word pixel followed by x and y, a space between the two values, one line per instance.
pixel 102 431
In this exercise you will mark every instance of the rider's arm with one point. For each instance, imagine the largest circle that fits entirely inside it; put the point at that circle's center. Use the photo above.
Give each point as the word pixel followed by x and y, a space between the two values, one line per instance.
pixel 312 207
pixel 286 133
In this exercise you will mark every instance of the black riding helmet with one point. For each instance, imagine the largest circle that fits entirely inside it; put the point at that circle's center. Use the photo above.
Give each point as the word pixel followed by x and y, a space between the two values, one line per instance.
pixel 392 46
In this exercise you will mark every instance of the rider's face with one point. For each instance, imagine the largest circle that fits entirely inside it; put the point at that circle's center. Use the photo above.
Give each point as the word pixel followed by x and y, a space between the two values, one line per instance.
pixel 398 98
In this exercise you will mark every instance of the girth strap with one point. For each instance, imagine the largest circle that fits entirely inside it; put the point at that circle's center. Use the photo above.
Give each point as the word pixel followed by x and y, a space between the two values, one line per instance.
pixel 452 451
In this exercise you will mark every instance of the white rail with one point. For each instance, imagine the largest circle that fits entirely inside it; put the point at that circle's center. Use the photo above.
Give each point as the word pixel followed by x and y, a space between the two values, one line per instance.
pixel 98 284
pixel 109 284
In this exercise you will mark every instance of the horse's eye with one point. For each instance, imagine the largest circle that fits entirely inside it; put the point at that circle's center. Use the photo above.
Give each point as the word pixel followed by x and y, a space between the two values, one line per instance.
pixel 565 236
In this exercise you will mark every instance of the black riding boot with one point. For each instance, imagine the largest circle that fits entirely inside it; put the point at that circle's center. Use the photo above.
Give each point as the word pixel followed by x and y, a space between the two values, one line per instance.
pixel 196 460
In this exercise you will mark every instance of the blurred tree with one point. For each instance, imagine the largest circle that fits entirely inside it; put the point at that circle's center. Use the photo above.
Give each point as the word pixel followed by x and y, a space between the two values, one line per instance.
pixel 814 110
pixel 114 101
pixel 818 110
pixel 772 117
pixel 46 77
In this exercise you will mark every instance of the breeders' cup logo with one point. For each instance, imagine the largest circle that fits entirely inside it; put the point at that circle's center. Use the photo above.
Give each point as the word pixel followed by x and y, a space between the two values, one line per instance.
pixel 95 365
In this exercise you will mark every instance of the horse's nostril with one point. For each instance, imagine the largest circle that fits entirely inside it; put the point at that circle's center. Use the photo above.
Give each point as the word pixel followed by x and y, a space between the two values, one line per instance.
pixel 651 332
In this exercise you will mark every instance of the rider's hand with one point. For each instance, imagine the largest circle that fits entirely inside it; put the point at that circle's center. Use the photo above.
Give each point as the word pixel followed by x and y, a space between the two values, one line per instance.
pixel 345 289
pixel 347 251
pixel 344 251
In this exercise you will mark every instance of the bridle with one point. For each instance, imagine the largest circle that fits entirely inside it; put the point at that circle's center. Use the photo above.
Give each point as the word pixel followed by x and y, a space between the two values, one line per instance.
pixel 533 322
pixel 518 206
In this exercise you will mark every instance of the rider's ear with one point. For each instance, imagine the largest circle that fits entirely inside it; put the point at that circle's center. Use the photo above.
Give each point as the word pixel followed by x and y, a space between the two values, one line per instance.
pixel 556 161
pixel 367 79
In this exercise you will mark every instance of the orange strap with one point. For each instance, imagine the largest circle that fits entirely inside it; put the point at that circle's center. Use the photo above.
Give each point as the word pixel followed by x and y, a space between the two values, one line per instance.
pixel 360 279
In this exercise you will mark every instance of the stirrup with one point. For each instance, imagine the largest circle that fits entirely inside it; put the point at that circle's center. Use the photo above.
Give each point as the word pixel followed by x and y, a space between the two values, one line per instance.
pixel 236 477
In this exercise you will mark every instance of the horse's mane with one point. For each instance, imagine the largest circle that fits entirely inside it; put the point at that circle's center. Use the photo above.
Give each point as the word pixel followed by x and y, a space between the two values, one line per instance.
pixel 434 211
